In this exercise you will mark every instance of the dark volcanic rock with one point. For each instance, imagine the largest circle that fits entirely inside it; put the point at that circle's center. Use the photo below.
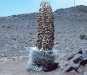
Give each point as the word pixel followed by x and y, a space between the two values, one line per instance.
pixel 83 62
pixel 51 67
pixel 80 52
pixel 78 59
pixel 71 69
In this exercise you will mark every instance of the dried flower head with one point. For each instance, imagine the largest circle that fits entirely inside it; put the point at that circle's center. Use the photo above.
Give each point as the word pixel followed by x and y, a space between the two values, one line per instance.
pixel 45 33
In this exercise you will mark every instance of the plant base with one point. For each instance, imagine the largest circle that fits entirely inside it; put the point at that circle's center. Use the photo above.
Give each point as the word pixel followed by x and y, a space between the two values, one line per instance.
pixel 40 60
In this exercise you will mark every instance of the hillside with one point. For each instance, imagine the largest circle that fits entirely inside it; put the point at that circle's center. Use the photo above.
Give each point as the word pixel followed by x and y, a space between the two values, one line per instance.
pixel 17 32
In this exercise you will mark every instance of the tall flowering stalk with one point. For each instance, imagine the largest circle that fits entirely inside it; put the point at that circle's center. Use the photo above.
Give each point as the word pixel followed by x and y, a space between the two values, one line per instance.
pixel 45 37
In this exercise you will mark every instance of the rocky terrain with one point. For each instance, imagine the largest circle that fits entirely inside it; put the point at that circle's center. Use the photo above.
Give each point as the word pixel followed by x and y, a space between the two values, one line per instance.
pixel 18 33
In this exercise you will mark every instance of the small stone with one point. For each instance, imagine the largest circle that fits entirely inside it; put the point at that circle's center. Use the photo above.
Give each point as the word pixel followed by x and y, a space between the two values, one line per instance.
pixel 80 52
pixel 71 57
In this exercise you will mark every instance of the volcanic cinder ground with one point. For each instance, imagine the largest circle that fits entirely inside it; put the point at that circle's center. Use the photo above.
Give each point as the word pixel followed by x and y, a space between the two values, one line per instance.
pixel 18 33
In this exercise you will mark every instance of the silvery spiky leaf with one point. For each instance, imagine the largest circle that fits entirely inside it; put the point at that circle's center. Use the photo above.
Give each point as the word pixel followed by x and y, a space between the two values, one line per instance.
pixel 39 60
